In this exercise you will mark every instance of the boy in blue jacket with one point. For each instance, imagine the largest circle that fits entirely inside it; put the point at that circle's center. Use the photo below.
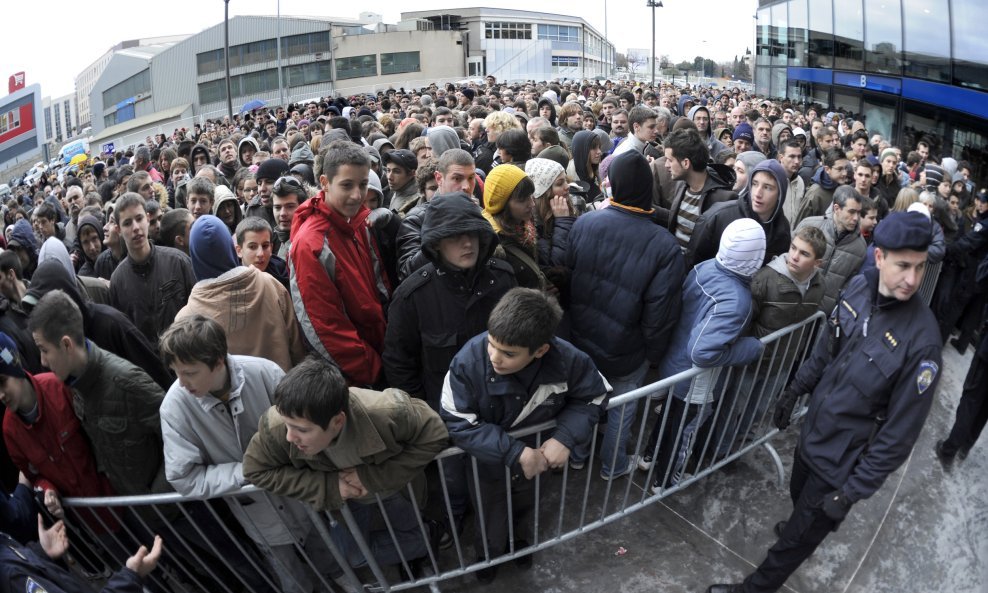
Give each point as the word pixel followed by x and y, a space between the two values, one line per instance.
pixel 712 333
pixel 515 375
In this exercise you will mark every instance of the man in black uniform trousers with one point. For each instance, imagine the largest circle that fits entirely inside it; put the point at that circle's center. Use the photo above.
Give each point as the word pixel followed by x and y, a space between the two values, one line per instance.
pixel 972 410
pixel 871 380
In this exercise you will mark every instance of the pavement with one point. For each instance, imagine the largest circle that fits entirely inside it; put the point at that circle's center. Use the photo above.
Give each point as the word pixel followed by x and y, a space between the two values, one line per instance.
pixel 925 530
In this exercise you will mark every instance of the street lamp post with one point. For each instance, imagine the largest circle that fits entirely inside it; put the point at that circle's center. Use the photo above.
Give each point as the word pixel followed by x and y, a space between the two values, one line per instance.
pixel 653 5
pixel 226 54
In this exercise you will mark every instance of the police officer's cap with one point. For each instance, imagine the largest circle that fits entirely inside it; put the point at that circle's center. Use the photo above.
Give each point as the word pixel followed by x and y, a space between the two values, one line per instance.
pixel 903 230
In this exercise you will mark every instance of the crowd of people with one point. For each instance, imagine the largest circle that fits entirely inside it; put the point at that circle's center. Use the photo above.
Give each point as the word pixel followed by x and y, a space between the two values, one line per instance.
pixel 318 298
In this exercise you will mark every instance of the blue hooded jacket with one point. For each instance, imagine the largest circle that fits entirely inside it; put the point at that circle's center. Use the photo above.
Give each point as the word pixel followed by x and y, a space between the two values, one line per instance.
pixel 24 235
pixel 211 248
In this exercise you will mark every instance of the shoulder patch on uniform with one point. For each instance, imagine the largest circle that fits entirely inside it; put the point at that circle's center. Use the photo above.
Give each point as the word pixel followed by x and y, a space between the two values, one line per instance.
pixel 850 309
pixel 32 586
pixel 927 373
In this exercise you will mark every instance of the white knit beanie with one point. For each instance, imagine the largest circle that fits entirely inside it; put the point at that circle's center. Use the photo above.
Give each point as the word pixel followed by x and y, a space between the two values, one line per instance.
pixel 742 247
pixel 542 173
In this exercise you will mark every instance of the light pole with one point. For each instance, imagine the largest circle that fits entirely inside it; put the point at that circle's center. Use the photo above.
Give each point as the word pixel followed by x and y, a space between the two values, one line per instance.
pixel 226 54
pixel 281 86
pixel 653 5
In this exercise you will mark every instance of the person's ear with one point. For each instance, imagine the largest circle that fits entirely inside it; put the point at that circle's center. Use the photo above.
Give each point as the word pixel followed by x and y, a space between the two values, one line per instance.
pixel 540 352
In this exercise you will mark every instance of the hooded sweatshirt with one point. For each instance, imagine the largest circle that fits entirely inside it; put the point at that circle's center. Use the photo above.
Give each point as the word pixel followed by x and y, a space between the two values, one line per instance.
pixel 243 142
pixel 714 146
pixel 211 248
pixel 711 228
pixel 223 195
pixel 107 327
pixel 88 268
pixel 96 290
pixel 437 309
pixel 23 234
pixel 578 165
pixel 255 310
pixel 442 138
pixel 750 158
pixel 198 148
pixel 818 198
pixel 301 154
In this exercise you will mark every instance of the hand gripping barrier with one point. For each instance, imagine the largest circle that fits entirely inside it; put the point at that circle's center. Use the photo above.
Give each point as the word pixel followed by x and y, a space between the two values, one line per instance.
pixel 687 426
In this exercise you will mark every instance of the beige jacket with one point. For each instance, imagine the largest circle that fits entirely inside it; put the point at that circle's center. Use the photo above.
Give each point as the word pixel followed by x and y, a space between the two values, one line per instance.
pixel 256 312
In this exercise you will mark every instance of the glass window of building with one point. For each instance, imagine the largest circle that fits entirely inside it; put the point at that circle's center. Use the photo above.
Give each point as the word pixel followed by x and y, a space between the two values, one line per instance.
pixel 311 73
pixel 763 83
pixel 778 89
pixel 213 91
pixel 763 40
pixel 922 122
pixel 507 30
pixel 559 33
pixel 879 116
pixel 926 32
pixel 970 44
pixel 133 86
pixel 396 63
pixel 821 34
pixel 779 35
pixel 883 37
pixel 849 103
pixel 356 66
pixel 848 34
pixel 798 33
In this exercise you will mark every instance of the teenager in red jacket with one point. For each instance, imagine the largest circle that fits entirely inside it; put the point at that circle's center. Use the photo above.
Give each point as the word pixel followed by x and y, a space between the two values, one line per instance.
pixel 43 435
pixel 338 283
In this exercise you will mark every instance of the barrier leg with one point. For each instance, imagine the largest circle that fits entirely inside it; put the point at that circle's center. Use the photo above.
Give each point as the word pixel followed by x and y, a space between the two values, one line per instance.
pixel 779 468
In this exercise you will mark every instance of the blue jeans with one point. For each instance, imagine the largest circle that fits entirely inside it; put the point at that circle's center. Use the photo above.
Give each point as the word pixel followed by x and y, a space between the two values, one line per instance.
pixel 619 419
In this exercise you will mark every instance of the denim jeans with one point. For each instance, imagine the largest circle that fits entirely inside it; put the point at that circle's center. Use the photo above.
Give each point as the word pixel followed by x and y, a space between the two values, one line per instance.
pixel 619 419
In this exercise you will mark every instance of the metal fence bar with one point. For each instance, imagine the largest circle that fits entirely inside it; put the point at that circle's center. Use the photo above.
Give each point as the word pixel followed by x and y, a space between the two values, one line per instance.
pixel 730 419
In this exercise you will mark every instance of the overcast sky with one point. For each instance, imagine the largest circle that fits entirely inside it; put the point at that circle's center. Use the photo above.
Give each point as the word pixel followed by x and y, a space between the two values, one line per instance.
pixel 53 45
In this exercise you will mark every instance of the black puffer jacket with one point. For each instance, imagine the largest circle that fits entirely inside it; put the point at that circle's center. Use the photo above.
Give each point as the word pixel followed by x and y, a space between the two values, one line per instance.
pixel 438 308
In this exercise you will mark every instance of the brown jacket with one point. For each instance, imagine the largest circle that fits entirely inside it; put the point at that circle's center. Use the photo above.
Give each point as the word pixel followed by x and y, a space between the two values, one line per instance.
pixel 256 312
pixel 394 435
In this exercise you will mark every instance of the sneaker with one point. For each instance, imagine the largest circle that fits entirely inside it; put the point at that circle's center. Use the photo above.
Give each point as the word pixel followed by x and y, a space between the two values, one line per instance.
pixel 632 464
pixel 577 465
pixel 645 462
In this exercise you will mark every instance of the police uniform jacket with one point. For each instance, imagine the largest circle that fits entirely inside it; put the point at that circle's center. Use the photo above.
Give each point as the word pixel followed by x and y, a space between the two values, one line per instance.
pixel 871 385
pixel 28 568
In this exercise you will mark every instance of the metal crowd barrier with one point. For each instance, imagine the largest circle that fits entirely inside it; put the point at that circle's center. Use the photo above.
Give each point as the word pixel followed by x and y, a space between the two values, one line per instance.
pixel 929 285
pixel 388 547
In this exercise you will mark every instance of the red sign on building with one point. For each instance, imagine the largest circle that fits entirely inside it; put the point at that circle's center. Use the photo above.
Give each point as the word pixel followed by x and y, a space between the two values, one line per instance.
pixel 16 82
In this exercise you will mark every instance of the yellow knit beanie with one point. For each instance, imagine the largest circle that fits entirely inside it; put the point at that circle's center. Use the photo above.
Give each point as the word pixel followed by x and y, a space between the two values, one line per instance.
pixel 500 182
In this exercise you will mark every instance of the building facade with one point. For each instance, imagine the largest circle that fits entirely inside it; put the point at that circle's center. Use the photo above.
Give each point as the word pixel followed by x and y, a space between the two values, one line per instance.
pixel 910 69
pixel 318 57
pixel 518 45
pixel 61 118
pixel 85 80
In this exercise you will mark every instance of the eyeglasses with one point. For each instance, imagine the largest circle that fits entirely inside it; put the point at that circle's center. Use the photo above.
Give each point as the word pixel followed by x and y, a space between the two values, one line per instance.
pixel 287 184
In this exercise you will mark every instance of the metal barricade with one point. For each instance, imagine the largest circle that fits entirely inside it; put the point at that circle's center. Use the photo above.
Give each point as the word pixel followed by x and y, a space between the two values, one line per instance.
pixel 929 284
pixel 392 544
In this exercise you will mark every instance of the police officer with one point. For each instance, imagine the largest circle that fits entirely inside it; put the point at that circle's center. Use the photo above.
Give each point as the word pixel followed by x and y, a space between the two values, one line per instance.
pixel 871 382
pixel 972 410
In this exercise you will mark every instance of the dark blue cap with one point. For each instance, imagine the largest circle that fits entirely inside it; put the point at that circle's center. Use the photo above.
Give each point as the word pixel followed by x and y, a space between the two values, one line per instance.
pixel 903 230
pixel 10 357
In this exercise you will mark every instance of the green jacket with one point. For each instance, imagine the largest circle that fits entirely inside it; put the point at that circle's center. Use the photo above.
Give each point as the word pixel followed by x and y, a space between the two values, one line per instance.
pixel 394 435
pixel 117 404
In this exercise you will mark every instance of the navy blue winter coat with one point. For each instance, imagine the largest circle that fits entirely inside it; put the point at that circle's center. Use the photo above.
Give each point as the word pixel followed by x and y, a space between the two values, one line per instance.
pixel 627 272
pixel 480 407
